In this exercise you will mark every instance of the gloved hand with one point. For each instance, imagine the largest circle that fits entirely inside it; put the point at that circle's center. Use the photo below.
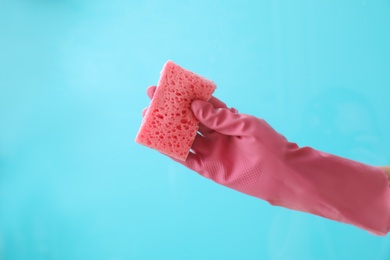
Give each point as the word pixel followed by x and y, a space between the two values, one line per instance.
pixel 246 154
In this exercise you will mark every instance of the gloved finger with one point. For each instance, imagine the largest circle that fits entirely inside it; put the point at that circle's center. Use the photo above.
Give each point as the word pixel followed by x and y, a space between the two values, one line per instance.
pixel 150 91
pixel 216 104
pixel 204 130
pixel 222 120
pixel 194 162
pixel 200 145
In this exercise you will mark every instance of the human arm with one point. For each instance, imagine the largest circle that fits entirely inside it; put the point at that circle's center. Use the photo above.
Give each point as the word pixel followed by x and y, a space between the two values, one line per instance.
pixel 246 154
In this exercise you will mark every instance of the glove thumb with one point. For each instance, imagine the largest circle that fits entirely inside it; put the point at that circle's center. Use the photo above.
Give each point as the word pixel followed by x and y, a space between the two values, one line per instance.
pixel 223 120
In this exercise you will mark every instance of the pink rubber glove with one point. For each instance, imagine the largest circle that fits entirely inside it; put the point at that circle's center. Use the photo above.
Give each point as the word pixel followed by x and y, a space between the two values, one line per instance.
pixel 246 154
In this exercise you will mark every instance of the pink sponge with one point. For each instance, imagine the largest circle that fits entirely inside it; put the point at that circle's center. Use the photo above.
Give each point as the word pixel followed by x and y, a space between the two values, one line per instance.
pixel 169 125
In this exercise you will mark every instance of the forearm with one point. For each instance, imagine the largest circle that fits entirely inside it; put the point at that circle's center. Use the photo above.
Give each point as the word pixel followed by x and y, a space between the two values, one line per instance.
pixel 339 189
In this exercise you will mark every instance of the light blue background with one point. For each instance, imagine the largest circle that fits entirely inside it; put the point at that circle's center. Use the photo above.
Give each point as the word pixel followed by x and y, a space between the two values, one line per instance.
pixel 73 74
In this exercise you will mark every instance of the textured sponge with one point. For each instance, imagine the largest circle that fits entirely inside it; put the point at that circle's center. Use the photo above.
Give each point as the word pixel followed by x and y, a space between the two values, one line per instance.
pixel 169 125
